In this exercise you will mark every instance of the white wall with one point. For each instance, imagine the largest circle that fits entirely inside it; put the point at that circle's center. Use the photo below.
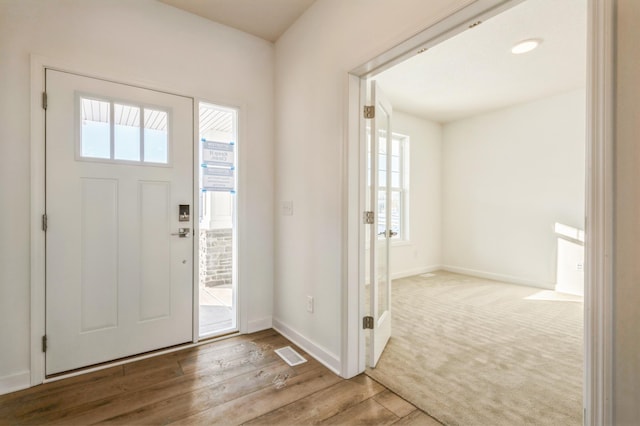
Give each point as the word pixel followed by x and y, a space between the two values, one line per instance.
pixel 141 41
pixel 423 251
pixel 626 315
pixel 508 177
pixel 312 61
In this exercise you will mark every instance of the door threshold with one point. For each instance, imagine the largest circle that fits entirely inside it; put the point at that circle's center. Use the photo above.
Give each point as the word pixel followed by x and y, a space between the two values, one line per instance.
pixel 133 358
pixel 214 336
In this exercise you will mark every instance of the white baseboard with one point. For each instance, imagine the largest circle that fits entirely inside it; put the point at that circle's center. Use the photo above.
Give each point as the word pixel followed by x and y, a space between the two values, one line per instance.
pixel 259 324
pixel 498 277
pixel 15 382
pixel 322 355
pixel 415 271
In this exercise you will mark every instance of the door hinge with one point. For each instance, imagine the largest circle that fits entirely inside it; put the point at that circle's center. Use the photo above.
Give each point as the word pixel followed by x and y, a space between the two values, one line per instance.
pixel 369 111
pixel 367 323
pixel 45 222
pixel 368 218
pixel 44 343
pixel 44 100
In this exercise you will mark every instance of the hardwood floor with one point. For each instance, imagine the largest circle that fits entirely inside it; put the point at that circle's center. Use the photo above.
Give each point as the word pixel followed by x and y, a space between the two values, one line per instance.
pixel 234 381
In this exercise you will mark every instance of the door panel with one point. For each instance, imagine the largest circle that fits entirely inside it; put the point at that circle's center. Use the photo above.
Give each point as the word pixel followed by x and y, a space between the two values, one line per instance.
pixel 99 255
pixel 380 234
pixel 119 161
pixel 155 243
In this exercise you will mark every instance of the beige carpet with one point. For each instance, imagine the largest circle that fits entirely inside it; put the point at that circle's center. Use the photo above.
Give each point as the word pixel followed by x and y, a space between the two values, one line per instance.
pixel 471 351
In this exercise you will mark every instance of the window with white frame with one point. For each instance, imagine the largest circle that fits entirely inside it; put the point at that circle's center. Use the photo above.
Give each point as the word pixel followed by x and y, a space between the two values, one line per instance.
pixel 123 132
pixel 399 187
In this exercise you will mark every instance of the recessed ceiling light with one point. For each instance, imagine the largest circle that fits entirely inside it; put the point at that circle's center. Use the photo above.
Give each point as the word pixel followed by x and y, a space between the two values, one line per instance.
pixel 525 46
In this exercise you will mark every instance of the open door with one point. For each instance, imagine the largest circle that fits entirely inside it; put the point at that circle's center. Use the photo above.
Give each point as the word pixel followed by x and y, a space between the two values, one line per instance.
pixel 380 231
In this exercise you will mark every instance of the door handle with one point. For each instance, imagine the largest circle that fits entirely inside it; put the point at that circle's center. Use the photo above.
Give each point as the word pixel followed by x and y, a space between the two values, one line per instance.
pixel 390 233
pixel 182 232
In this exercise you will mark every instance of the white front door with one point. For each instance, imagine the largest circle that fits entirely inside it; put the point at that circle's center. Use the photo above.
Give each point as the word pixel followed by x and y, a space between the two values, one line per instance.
pixel 380 231
pixel 119 182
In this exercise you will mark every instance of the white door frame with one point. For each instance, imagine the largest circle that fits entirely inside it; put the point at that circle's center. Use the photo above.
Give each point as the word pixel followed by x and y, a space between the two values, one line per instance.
pixel 37 198
pixel 598 308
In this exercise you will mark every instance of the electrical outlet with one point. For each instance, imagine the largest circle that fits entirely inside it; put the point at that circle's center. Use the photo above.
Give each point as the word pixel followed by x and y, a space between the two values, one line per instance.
pixel 310 304
pixel 579 267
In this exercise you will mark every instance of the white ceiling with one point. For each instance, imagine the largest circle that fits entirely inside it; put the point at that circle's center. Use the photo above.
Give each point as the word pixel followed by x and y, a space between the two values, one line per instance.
pixel 476 72
pixel 471 73
pixel 267 19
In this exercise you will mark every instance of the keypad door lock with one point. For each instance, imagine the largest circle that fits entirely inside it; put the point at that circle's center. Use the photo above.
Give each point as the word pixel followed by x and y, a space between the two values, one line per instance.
pixel 184 214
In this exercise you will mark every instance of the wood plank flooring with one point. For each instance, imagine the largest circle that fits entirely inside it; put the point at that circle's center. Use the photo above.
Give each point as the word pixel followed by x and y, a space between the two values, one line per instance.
pixel 234 381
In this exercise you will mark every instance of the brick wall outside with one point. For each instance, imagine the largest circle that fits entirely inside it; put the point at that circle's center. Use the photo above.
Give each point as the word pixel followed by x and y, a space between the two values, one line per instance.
pixel 216 257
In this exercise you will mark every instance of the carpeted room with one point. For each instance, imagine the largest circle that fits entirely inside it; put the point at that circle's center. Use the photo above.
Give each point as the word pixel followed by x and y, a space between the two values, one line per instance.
pixel 470 350
pixel 495 211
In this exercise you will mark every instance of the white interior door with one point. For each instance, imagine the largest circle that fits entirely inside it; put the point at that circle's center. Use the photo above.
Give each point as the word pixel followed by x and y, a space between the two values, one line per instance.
pixel 380 231
pixel 119 163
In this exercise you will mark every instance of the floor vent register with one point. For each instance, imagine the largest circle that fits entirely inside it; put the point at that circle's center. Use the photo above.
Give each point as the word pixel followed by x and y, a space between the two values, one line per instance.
pixel 290 356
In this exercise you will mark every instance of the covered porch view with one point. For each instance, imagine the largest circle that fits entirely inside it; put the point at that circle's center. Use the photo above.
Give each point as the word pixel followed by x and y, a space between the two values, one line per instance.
pixel 217 220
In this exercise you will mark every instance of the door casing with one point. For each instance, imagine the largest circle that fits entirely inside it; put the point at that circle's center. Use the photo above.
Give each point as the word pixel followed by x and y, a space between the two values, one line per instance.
pixel 598 333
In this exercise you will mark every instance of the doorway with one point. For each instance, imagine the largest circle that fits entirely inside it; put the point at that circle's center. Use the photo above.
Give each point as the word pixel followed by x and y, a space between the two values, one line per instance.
pixel 162 138
pixel 475 22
